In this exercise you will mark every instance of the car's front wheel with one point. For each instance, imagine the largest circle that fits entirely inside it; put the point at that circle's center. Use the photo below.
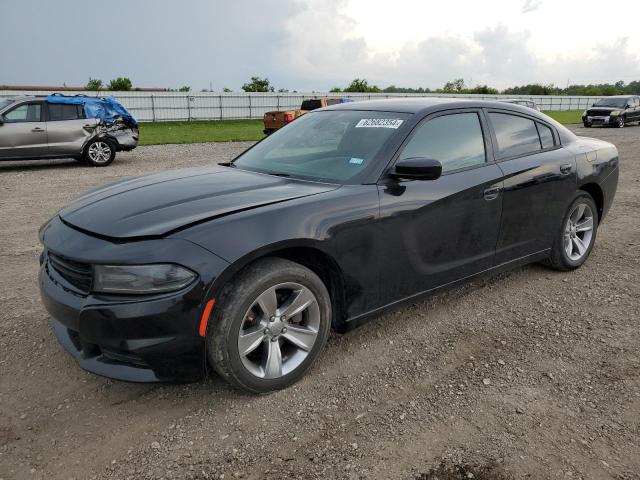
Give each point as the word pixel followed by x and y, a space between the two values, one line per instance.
pixel 271 324
pixel 573 244
pixel 99 153
pixel 620 122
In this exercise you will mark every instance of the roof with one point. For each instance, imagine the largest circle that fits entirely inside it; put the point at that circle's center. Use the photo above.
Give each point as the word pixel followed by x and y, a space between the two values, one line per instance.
pixel 425 105
pixel 622 97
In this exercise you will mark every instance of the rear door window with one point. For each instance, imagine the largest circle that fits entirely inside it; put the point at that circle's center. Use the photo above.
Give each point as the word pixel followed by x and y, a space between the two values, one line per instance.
pixel 62 111
pixel 516 135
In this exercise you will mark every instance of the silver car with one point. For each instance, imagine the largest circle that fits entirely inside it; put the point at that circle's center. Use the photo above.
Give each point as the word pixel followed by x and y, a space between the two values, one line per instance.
pixel 33 128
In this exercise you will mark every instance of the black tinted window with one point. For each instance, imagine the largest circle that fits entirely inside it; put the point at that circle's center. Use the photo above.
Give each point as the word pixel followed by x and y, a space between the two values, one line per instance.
pixel 27 112
pixel 61 111
pixel 455 140
pixel 546 136
pixel 515 135
pixel 310 104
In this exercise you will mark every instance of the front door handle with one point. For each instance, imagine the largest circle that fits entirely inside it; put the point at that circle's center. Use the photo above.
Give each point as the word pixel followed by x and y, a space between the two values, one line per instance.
pixel 37 129
pixel 566 169
pixel 491 193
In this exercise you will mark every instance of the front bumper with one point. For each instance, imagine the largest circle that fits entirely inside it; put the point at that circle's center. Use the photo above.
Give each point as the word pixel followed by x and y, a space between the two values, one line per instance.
pixel 146 338
pixel 600 119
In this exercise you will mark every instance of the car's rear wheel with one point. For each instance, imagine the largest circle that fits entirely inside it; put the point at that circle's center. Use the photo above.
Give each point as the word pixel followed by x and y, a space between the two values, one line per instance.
pixel 271 324
pixel 99 153
pixel 574 243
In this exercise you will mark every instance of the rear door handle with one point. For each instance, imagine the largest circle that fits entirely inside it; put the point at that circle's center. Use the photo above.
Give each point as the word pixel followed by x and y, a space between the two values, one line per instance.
pixel 566 169
pixel 491 193
pixel 37 129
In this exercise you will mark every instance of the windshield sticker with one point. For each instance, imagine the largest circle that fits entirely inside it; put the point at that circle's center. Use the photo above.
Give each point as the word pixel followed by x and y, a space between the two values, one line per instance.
pixel 356 161
pixel 379 123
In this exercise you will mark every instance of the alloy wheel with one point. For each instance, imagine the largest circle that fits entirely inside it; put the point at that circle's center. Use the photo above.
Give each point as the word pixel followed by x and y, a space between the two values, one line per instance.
pixel 578 232
pixel 279 330
pixel 99 152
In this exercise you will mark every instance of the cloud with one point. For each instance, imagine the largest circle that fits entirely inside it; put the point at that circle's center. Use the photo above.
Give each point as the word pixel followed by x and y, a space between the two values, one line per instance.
pixel 299 44
pixel 531 5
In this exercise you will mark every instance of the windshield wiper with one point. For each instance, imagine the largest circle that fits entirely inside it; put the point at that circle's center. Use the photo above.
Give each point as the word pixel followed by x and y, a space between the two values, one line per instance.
pixel 278 174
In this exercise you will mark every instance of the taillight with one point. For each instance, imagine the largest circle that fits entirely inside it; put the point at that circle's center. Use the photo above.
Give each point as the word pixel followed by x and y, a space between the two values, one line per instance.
pixel 288 117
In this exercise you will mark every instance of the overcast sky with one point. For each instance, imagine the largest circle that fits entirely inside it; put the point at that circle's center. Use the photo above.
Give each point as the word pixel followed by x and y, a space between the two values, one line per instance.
pixel 317 44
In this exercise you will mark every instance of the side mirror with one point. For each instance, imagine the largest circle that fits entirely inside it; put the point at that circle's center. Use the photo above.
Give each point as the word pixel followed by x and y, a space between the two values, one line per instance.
pixel 417 169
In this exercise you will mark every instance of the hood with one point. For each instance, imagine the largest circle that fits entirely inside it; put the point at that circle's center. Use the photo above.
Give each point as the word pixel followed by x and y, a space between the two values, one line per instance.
pixel 603 110
pixel 157 204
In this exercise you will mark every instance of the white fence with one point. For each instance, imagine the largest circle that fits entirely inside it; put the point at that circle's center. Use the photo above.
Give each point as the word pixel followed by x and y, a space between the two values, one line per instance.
pixel 167 106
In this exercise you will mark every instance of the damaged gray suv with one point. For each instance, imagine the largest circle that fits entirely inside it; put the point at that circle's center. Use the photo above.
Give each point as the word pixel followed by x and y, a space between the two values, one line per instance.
pixel 89 129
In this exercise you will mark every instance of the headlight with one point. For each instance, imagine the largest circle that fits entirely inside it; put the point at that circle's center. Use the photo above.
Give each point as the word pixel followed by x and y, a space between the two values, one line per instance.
pixel 584 114
pixel 141 278
pixel 615 112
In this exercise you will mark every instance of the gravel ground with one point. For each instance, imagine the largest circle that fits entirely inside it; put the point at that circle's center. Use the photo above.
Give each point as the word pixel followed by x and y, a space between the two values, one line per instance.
pixel 532 374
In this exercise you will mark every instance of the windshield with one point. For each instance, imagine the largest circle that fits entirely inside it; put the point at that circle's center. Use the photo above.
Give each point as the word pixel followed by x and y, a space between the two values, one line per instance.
pixel 611 102
pixel 331 146
pixel 5 102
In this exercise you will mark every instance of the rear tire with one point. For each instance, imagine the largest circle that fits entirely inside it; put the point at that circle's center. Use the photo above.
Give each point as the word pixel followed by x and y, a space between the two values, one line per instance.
pixel 272 323
pixel 99 152
pixel 574 242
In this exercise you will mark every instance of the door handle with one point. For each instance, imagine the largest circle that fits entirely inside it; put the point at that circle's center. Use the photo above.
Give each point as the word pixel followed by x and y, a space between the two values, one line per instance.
pixel 566 169
pixel 37 129
pixel 491 193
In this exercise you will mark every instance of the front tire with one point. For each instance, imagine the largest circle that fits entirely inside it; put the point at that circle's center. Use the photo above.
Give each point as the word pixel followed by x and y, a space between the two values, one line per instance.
pixel 272 324
pixel 620 122
pixel 573 244
pixel 99 153
pixel 587 124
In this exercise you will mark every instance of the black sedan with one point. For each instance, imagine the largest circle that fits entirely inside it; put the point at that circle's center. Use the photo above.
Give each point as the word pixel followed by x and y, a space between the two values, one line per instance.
pixel 345 213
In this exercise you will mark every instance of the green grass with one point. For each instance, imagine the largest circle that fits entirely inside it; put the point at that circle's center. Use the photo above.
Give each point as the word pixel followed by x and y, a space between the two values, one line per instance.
pixel 244 130
pixel 200 132
pixel 569 116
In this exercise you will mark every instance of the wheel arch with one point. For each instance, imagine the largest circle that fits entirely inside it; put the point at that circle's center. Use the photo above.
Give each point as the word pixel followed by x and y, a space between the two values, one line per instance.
pixel 307 254
pixel 595 191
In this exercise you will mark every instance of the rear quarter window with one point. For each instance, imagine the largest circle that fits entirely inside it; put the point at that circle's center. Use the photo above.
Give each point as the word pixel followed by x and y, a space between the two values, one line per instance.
pixel 546 136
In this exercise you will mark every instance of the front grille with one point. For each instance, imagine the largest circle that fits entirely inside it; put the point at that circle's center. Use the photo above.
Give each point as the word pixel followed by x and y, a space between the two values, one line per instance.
pixel 598 113
pixel 76 273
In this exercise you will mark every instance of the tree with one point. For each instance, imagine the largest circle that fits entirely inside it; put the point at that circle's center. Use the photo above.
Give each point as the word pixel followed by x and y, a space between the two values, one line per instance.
pixel 394 89
pixel 184 88
pixel 226 89
pixel 361 85
pixel 121 84
pixel 484 89
pixel 258 84
pixel 335 90
pixel 93 84
pixel 455 86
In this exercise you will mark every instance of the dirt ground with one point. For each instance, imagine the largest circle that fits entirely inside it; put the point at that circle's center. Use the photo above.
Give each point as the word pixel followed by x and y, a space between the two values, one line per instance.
pixel 530 374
